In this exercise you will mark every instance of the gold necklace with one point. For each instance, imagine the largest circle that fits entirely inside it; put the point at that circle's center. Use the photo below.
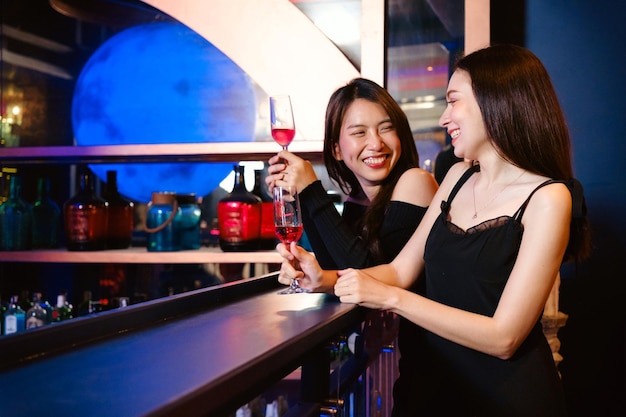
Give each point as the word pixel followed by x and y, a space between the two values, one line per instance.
pixel 492 198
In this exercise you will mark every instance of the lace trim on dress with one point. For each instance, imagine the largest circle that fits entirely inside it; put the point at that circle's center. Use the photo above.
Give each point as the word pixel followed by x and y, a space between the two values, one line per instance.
pixel 480 227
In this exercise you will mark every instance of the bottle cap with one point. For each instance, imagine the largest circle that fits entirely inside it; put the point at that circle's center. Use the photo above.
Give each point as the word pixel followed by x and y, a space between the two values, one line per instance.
pixel 163 197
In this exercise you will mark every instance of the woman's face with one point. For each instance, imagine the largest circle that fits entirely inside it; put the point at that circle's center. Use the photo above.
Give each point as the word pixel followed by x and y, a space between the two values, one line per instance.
pixel 368 144
pixel 462 117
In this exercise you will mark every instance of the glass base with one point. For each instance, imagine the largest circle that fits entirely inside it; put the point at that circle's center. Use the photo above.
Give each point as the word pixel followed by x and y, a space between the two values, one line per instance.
pixel 294 288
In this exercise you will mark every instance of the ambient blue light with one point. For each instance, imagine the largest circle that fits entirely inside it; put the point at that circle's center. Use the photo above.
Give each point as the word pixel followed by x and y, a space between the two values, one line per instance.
pixel 162 83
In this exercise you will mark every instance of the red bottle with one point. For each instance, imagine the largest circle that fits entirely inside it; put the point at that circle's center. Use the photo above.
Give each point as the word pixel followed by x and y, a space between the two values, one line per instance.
pixel 239 217
pixel 267 235
pixel 120 215
pixel 85 216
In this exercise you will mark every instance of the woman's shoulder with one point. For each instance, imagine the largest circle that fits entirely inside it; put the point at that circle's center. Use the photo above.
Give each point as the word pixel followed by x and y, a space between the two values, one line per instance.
pixel 549 196
pixel 455 173
pixel 415 186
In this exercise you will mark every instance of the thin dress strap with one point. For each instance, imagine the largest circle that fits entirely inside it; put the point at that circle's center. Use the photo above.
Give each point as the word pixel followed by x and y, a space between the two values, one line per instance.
pixel 445 205
pixel 520 211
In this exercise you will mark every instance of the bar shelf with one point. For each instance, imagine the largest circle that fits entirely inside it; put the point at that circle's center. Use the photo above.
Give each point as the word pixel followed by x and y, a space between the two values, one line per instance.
pixel 179 152
pixel 140 255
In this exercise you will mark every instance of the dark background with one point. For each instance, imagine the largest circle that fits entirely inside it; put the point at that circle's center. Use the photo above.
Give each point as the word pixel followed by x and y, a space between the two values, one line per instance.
pixel 582 45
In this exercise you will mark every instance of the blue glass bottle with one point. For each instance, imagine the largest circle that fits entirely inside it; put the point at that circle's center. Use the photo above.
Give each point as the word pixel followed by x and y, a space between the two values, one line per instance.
pixel 160 226
pixel 14 318
pixel 187 221
pixel 15 219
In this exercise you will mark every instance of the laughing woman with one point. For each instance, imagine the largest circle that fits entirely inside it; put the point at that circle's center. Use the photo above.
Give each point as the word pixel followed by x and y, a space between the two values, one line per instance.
pixel 491 244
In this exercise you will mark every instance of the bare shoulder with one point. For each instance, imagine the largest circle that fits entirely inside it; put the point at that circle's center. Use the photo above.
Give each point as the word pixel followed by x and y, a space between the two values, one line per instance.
pixel 415 186
pixel 453 175
pixel 552 198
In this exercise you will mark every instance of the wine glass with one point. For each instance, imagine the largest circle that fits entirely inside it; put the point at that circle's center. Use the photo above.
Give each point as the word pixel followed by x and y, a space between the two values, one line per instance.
pixel 281 118
pixel 288 224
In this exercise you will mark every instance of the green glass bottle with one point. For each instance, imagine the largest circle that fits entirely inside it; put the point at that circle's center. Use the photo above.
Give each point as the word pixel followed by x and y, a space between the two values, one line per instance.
pixel 15 219
pixel 63 309
pixel 46 218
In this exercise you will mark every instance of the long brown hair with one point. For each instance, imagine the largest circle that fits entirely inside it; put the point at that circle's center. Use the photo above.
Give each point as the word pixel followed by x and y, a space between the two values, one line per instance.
pixel 360 88
pixel 525 122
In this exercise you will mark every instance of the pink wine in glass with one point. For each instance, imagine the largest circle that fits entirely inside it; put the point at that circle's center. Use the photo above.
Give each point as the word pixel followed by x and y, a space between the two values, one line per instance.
pixel 281 119
pixel 288 234
pixel 283 136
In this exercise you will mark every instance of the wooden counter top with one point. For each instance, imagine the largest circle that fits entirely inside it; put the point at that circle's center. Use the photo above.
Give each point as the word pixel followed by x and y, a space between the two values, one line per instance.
pixel 199 364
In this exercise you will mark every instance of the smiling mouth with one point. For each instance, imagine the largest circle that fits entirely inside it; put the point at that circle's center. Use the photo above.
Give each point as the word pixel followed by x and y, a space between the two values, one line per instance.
pixel 375 161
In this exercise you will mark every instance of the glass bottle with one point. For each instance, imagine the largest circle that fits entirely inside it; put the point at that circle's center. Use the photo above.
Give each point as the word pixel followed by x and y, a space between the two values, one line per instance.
pixel 36 316
pixel 62 310
pixel 46 218
pixel 267 235
pixel 14 317
pixel 48 307
pixel 120 215
pixel 85 216
pixel 15 219
pixel 86 306
pixel 3 309
pixel 239 217
pixel 24 300
pixel 188 221
pixel 160 225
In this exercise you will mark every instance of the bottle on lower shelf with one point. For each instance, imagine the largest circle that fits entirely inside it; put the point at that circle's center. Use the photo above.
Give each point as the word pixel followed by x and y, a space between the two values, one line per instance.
pixel 62 310
pixel 36 316
pixel 14 317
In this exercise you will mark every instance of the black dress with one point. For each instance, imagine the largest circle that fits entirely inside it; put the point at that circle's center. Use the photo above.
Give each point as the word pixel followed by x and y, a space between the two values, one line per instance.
pixel 337 244
pixel 336 239
pixel 469 270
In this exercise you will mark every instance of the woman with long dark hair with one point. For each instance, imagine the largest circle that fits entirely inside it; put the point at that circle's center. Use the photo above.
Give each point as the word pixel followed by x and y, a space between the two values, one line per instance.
pixel 491 244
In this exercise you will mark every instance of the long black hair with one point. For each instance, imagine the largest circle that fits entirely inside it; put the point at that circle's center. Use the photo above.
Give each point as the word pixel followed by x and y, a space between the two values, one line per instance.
pixel 525 122
pixel 360 88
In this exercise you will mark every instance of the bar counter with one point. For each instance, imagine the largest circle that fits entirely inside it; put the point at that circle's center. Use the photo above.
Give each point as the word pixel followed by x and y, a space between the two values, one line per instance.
pixel 202 353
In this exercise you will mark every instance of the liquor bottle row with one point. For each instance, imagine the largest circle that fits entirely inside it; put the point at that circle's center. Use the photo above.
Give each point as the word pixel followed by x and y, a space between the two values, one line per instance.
pixel 20 315
pixel 90 222
pixel 246 218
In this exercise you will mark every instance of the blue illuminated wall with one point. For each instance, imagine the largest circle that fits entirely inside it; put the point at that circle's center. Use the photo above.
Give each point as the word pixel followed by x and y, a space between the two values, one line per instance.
pixel 162 83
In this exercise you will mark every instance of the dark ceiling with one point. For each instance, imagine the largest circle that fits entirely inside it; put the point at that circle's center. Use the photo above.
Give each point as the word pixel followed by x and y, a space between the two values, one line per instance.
pixel 46 43
pixel 75 28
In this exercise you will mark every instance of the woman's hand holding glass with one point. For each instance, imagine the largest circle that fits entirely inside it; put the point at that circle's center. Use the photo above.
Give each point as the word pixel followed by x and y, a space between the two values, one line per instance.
pixel 288 170
pixel 350 285
pixel 301 265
